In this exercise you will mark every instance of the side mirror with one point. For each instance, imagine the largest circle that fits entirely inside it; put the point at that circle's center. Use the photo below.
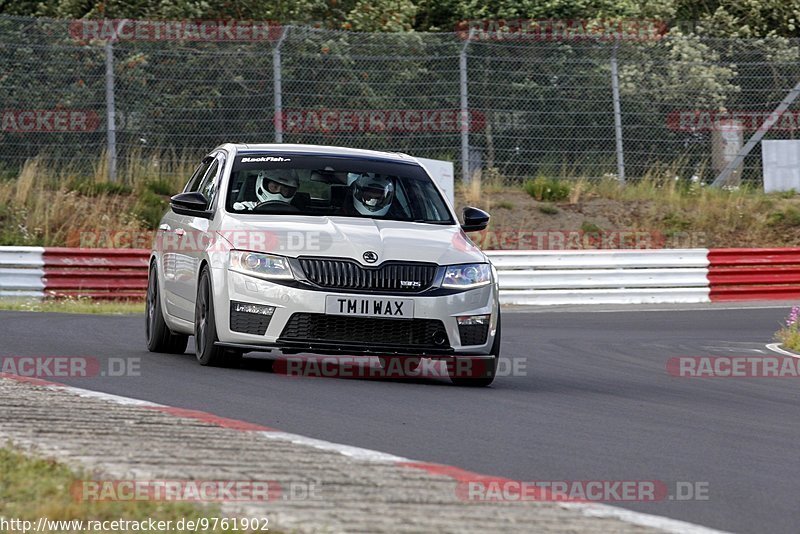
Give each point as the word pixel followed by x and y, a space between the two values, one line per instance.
pixel 475 220
pixel 193 204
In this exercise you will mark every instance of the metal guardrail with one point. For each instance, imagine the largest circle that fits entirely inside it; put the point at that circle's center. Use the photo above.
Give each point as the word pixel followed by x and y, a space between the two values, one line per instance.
pixel 38 272
pixel 527 277
pixel 21 272
pixel 754 274
pixel 553 277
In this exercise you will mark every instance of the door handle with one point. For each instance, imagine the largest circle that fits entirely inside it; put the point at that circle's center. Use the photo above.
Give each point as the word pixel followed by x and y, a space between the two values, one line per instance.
pixel 180 231
pixel 165 228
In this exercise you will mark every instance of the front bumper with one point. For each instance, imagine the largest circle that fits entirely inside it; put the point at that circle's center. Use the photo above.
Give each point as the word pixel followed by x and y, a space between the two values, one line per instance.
pixel 233 286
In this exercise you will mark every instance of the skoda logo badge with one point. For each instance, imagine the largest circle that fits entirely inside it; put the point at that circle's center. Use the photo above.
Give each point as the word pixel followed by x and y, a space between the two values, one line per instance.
pixel 370 257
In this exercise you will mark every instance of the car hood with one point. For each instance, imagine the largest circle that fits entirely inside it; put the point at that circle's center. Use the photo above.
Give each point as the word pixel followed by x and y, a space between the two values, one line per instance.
pixel 350 237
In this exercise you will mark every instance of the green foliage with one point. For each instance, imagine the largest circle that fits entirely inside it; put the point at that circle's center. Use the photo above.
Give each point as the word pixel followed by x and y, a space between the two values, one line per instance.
pixel 787 217
pixel 94 189
pixel 161 187
pixel 721 18
pixel 150 207
pixel 14 231
pixel 589 227
pixel 676 222
pixel 548 209
pixel 381 16
pixel 547 189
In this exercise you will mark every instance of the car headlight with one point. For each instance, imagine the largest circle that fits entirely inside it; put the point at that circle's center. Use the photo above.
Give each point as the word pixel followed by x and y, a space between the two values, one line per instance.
pixel 467 276
pixel 261 265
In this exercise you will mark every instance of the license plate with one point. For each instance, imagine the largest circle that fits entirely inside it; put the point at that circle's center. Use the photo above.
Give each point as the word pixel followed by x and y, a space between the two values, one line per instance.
pixel 370 306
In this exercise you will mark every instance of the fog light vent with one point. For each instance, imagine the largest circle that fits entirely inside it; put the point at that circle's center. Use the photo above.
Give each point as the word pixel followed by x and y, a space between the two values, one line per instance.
pixel 250 318
pixel 473 329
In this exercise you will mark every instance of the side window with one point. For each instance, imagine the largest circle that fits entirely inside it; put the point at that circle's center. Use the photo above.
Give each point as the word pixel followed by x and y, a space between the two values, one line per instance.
pixel 208 185
pixel 197 176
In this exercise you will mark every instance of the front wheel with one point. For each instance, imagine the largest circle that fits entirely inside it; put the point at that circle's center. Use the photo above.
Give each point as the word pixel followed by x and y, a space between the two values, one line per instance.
pixel 159 337
pixel 205 328
pixel 476 373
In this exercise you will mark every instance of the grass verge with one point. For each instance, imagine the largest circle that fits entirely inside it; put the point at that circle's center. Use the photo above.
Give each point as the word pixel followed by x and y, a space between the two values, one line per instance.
pixel 33 488
pixel 687 214
pixel 789 335
pixel 45 206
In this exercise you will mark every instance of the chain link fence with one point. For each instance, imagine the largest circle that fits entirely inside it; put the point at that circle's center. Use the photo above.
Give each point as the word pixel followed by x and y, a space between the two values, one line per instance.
pixel 510 105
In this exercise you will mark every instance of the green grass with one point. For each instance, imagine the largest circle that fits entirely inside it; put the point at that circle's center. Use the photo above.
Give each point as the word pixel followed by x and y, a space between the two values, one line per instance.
pixel 97 307
pixel 32 487
pixel 547 189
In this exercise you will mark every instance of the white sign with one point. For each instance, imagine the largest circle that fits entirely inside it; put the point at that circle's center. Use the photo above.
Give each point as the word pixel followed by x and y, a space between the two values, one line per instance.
pixel 442 173
pixel 781 164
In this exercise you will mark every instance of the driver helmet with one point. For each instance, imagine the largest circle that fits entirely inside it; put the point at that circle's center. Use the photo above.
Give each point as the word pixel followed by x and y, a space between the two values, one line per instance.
pixel 372 194
pixel 276 185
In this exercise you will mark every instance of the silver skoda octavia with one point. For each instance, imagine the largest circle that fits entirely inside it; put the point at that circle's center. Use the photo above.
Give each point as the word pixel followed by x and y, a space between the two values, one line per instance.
pixel 322 250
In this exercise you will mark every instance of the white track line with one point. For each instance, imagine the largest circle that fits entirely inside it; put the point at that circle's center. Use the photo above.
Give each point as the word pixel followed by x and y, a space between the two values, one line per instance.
pixel 646 520
pixel 775 347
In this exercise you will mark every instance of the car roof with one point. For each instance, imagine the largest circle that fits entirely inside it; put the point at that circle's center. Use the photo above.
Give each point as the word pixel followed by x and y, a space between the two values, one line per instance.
pixel 320 150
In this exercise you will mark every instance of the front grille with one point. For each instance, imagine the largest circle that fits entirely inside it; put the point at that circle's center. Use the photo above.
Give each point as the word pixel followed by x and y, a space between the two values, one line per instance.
pixel 347 274
pixel 249 323
pixel 473 334
pixel 368 331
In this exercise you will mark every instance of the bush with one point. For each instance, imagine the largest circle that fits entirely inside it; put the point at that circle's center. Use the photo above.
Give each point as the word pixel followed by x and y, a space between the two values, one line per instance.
pixel 150 207
pixel 547 189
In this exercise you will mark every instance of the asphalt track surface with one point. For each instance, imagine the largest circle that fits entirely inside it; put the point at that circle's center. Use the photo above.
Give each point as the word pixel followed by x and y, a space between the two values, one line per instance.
pixel 596 403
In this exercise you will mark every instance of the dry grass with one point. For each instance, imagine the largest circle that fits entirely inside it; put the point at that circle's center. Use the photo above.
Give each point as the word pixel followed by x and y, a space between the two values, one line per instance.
pixel 52 207
pixel 657 203
pixel 49 207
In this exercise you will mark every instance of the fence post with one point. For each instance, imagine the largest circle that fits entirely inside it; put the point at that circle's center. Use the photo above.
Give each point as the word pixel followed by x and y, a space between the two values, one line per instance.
pixel 617 113
pixel 462 69
pixel 111 115
pixel 773 117
pixel 277 83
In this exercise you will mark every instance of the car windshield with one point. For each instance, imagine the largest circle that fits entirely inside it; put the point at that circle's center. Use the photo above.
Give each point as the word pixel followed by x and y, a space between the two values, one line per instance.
pixel 334 186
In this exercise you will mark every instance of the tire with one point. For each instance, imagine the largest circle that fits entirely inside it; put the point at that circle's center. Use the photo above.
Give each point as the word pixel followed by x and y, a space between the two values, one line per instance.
pixel 205 328
pixel 483 373
pixel 159 337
